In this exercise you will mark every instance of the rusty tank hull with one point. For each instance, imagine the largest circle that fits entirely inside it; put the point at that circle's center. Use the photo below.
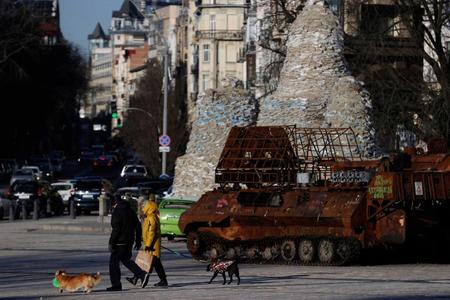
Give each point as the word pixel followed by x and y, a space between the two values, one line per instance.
pixel 305 196
pixel 303 226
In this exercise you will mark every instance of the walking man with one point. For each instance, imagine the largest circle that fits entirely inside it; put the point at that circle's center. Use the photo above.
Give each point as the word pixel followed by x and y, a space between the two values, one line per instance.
pixel 126 230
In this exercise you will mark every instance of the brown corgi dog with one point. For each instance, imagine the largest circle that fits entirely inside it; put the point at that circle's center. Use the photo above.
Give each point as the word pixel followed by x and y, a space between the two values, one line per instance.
pixel 73 283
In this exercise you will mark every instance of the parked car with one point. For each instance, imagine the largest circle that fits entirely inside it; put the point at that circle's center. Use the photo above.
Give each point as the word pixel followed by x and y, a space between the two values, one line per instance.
pixel 35 169
pixel 5 203
pixel 87 192
pixel 25 192
pixel 45 167
pixel 159 187
pixel 103 162
pixel 22 174
pixel 134 170
pixel 66 189
pixel 170 211
pixel 86 157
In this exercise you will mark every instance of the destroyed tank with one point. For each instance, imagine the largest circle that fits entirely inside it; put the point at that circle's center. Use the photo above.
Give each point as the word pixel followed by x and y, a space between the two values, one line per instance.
pixel 306 196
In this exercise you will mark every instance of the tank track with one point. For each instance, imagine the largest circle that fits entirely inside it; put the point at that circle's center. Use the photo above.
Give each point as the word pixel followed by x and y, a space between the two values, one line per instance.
pixel 316 251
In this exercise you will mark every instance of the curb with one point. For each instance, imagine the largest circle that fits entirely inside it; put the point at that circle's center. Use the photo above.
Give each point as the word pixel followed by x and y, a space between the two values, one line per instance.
pixel 74 228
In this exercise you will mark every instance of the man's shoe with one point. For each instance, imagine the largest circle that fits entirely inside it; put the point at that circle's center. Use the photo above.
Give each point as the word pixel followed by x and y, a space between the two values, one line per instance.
pixel 132 280
pixel 163 282
pixel 114 289
pixel 145 280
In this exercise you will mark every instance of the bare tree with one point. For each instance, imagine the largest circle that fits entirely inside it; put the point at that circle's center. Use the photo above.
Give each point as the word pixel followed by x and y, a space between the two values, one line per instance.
pixel 141 132
pixel 18 33
pixel 435 32
pixel 274 26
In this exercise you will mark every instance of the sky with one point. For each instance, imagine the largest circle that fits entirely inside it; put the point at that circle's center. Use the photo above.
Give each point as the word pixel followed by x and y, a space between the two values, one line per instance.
pixel 79 17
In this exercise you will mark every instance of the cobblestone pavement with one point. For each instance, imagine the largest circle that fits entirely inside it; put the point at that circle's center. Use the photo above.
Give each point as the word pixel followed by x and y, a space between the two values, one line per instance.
pixel 29 256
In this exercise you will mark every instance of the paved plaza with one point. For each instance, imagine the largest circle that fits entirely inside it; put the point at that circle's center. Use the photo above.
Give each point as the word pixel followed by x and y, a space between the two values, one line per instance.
pixel 31 251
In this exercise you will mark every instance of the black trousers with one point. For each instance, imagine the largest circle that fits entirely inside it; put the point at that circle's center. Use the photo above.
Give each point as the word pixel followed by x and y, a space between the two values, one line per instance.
pixel 122 254
pixel 159 268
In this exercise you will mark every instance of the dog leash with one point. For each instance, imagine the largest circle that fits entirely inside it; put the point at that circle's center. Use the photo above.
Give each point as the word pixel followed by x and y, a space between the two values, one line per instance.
pixel 176 252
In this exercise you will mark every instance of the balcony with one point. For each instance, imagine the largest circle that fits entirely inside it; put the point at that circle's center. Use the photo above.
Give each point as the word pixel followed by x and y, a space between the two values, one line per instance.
pixel 215 4
pixel 221 35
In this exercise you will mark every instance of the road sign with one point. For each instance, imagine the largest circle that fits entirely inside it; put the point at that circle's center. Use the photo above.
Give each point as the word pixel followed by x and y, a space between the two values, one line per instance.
pixel 164 140
pixel 164 149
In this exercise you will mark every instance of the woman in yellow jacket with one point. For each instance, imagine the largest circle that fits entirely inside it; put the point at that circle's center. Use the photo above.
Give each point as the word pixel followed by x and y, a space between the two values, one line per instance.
pixel 151 236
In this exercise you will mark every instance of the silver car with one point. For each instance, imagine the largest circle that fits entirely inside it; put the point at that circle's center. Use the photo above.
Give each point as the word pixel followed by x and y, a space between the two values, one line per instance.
pixel 66 189
pixel 23 174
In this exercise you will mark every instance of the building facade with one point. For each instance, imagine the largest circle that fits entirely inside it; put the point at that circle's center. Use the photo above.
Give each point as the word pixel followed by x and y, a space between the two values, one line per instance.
pixel 100 63
pixel 215 41
pixel 46 12
pixel 128 31
pixel 163 32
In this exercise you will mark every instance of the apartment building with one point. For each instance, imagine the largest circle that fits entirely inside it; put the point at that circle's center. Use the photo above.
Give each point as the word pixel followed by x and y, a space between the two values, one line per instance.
pixel 374 34
pixel 377 40
pixel 136 60
pixel 128 31
pixel 163 31
pixel 46 14
pixel 215 39
pixel 100 63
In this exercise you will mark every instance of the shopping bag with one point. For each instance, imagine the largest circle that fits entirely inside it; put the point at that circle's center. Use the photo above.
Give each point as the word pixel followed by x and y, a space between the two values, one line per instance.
pixel 144 260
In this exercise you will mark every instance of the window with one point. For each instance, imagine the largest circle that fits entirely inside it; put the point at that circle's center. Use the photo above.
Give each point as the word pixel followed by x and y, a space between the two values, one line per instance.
pixel 205 53
pixel 212 22
pixel 205 82
pixel 378 20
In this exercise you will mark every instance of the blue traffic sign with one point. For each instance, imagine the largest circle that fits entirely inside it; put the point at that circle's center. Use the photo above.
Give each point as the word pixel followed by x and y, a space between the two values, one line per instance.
pixel 164 140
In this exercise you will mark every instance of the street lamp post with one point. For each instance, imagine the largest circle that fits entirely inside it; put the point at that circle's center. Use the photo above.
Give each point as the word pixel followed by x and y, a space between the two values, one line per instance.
pixel 166 91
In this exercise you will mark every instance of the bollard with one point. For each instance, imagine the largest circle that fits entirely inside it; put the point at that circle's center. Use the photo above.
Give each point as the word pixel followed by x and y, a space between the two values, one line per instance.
pixel 101 206
pixel 48 209
pixel 73 215
pixel 24 210
pixel 36 210
pixel 12 211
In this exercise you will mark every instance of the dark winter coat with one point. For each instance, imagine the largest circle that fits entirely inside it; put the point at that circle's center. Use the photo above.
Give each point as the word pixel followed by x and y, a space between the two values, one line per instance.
pixel 126 228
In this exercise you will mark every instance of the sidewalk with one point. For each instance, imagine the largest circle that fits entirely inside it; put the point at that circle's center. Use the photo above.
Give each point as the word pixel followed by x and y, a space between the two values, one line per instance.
pixel 90 224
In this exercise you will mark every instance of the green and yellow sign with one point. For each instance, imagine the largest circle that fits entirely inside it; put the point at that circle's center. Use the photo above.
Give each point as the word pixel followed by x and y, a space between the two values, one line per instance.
pixel 381 187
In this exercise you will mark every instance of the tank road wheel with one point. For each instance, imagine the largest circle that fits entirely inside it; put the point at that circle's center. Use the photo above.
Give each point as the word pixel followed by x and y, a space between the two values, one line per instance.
pixel 252 252
pixel 216 250
pixel 344 250
pixel 232 252
pixel 194 244
pixel 348 250
pixel 306 250
pixel 270 252
pixel 326 251
pixel 288 250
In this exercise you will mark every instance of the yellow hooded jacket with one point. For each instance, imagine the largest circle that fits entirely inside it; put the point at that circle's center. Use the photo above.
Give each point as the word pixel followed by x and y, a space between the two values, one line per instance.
pixel 151 233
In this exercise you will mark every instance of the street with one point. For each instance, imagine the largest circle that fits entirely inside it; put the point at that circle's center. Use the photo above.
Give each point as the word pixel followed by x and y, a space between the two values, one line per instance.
pixel 30 255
